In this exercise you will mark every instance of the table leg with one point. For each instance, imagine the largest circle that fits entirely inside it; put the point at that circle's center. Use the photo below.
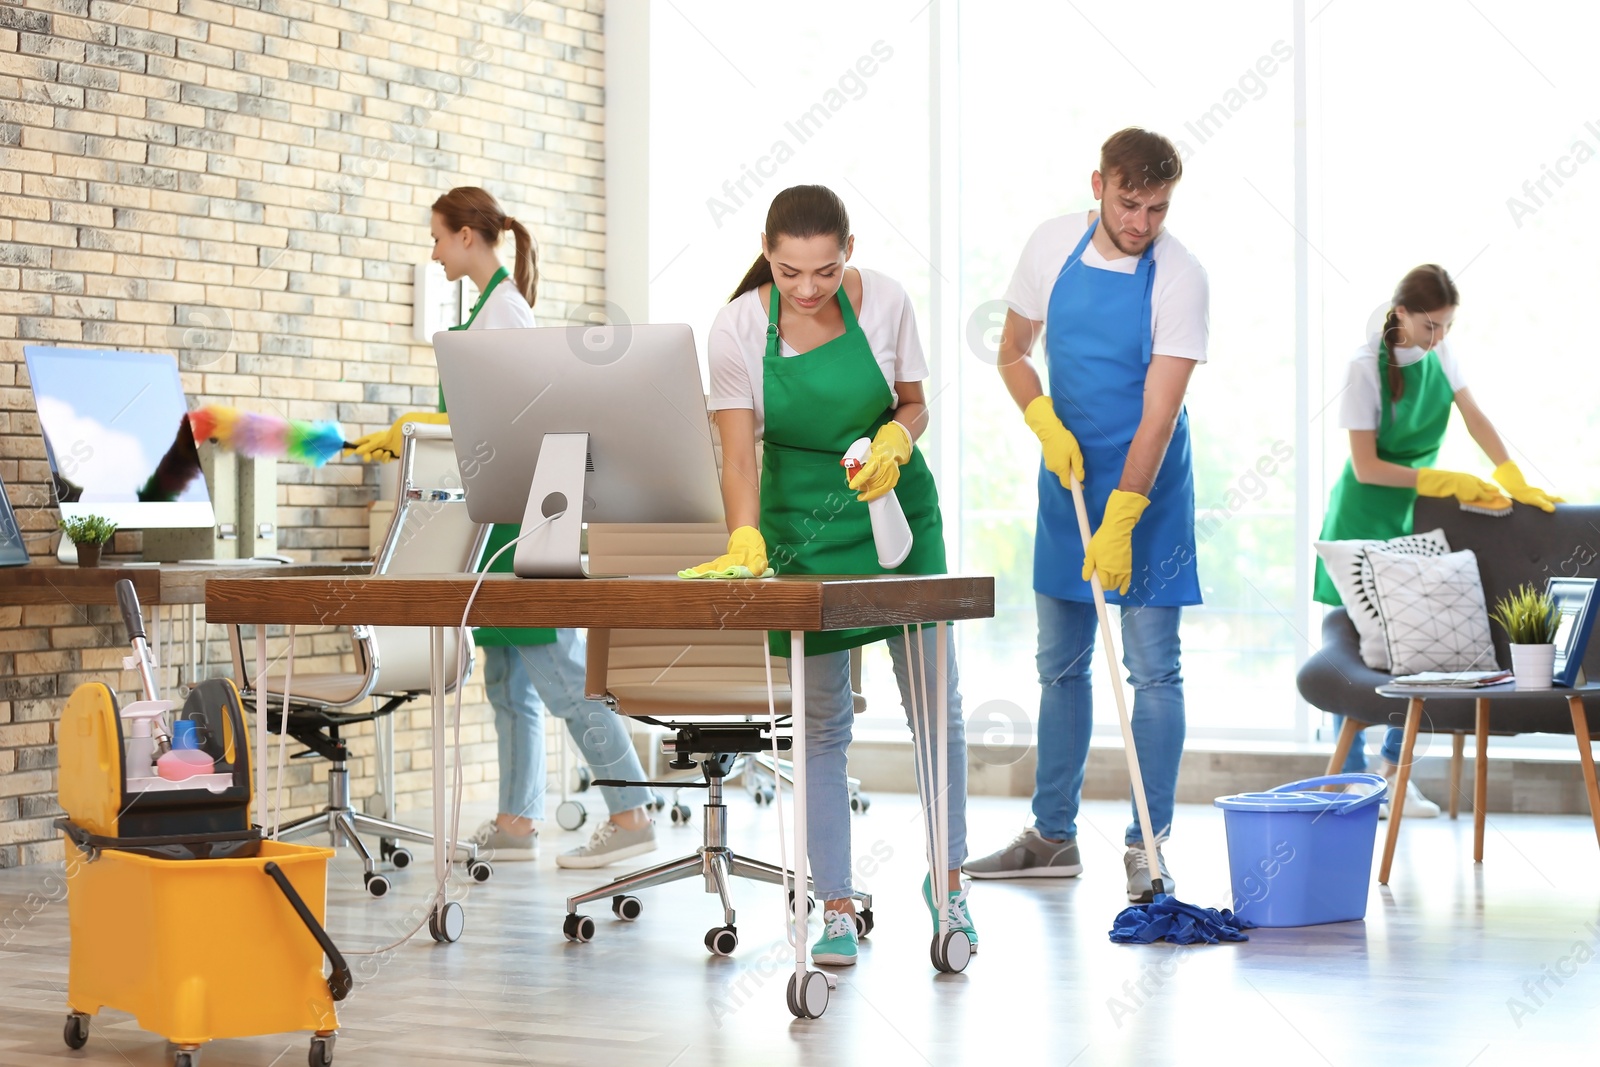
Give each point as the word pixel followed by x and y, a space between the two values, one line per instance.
pixel 1458 745
pixel 1480 777
pixel 441 821
pixel 1348 733
pixel 260 754
pixel 807 990
pixel 1397 802
pixel 941 778
pixel 1580 727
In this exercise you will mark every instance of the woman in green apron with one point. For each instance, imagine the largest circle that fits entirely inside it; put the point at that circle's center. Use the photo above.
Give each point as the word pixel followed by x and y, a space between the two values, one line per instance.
pixel 526 670
pixel 807 357
pixel 1396 406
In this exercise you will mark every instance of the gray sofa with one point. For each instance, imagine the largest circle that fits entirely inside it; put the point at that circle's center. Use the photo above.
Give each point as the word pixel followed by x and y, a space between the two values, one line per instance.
pixel 1529 546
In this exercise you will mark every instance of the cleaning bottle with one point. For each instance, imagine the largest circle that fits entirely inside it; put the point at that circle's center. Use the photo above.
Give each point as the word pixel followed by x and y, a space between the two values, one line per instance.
pixel 891 533
pixel 184 759
pixel 142 723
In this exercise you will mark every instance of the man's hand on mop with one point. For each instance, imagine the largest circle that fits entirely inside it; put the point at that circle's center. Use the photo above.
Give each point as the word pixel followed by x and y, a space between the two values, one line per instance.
pixel 1110 550
pixel 1062 456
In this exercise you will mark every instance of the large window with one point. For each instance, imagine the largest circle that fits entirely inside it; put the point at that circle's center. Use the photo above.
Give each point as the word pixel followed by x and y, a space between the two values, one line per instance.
pixel 1458 134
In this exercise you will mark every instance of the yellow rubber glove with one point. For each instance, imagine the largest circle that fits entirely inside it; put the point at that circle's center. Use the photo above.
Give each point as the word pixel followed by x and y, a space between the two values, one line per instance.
pixel 1062 457
pixel 1467 488
pixel 384 445
pixel 746 558
pixel 891 448
pixel 1110 550
pixel 1509 475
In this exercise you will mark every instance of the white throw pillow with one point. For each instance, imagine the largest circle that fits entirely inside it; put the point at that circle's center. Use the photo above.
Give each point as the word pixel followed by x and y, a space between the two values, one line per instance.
pixel 1433 611
pixel 1346 562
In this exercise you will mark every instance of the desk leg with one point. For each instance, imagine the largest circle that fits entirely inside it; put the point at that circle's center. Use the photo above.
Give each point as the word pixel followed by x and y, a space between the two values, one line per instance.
pixel 1480 777
pixel 1580 727
pixel 260 754
pixel 807 989
pixel 1458 745
pixel 448 919
pixel 1397 802
pixel 941 798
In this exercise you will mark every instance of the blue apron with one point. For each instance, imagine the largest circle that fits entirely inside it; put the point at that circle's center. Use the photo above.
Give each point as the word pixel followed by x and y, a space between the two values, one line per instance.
pixel 1097 347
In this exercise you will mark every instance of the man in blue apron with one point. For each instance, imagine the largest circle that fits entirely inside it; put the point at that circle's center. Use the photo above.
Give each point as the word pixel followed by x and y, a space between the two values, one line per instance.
pixel 1123 307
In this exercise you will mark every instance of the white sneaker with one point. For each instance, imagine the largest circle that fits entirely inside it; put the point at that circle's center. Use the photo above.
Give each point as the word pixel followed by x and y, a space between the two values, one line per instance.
pixel 501 846
pixel 1417 805
pixel 608 844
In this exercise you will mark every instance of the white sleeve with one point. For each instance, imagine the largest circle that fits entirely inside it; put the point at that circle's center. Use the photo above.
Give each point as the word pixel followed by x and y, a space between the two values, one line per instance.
pixel 1183 315
pixel 910 365
pixel 1360 405
pixel 731 386
pixel 1029 294
pixel 1452 366
pixel 503 313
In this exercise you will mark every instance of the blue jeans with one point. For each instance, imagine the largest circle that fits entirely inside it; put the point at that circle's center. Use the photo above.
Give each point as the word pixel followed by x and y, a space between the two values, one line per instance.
pixel 1067 660
pixel 1356 761
pixel 521 682
pixel 830 714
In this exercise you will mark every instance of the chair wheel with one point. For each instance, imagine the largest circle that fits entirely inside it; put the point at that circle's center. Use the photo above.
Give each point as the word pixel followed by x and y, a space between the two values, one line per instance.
pixel 860 804
pixel 446 924
pixel 626 908
pixel 722 940
pixel 951 953
pixel 321 1054
pixel 680 814
pixel 585 780
pixel 657 802
pixel 764 796
pixel 480 870
pixel 186 1057
pixel 810 999
pixel 76 1032
pixel 401 858
pixel 570 814
pixel 863 922
pixel 811 904
pixel 579 928
pixel 376 884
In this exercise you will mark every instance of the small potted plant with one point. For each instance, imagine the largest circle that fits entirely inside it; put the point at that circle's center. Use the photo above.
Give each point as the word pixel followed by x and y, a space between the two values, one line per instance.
pixel 1529 618
pixel 88 534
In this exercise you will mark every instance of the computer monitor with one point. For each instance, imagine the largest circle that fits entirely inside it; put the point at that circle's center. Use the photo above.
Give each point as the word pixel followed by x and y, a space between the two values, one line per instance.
pixel 613 416
pixel 117 437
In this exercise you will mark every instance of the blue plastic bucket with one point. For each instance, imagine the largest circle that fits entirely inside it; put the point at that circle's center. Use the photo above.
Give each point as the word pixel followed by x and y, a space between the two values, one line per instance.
pixel 1300 858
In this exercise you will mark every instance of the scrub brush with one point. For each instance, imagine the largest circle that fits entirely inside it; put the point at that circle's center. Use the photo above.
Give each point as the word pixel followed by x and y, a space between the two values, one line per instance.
pixel 1497 507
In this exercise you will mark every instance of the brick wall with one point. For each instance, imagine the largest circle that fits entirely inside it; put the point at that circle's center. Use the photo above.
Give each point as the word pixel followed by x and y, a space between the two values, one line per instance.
pixel 244 184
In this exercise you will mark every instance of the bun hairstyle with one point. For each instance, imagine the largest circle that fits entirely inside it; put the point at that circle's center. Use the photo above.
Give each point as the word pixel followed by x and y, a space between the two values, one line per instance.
pixel 1423 289
pixel 469 206
pixel 799 211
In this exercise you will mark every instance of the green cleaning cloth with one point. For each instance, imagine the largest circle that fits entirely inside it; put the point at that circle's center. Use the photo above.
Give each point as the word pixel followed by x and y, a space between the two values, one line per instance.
pixel 738 570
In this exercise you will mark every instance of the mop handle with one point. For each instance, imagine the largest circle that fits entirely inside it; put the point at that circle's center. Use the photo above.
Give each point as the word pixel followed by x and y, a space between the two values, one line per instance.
pixel 1132 750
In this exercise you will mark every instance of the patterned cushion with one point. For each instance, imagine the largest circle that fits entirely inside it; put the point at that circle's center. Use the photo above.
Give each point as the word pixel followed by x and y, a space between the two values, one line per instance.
pixel 1347 565
pixel 1434 616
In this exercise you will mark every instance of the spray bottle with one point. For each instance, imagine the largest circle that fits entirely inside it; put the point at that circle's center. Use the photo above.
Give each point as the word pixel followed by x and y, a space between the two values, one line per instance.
pixel 890 531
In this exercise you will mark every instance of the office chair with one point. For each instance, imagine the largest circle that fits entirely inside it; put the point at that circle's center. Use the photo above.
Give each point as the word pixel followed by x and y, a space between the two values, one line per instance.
pixel 708 689
pixel 431 533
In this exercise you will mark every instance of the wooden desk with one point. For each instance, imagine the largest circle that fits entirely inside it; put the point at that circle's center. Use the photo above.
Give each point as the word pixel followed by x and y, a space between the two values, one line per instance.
pixel 1418 696
pixel 799 605
pixel 49 582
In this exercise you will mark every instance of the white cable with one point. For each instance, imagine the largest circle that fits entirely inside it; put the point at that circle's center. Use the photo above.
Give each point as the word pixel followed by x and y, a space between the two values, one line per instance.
pixel 283 734
pixel 777 794
pixel 462 644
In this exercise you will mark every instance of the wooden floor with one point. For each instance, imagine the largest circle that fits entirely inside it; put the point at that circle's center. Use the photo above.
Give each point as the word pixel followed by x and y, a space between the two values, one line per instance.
pixel 1454 965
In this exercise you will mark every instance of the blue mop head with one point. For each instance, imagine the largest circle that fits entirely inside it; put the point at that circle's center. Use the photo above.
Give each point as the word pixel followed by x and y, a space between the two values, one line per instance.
pixel 1169 919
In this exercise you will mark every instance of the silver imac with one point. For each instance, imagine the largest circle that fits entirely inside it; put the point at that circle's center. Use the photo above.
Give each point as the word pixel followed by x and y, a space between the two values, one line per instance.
pixel 612 416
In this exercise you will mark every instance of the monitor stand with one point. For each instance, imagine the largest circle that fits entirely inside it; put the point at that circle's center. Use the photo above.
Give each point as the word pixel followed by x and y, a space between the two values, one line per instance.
pixel 555 549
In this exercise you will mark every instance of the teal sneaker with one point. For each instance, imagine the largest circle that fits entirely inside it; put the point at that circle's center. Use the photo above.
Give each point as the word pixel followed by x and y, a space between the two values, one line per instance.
pixel 837 945
pixel 960 915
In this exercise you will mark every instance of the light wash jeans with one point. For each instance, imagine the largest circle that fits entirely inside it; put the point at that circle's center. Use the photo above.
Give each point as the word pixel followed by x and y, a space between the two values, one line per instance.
pixel 1067 661
pixel 1356 761
pixel 830 715
pixel 521 681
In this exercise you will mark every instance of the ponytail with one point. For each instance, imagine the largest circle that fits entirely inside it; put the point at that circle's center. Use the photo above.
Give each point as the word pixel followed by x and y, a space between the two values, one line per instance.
pixel 469 206
pixel 799 211
pixel 1424 289
pixel 1393 377
pixel 526 269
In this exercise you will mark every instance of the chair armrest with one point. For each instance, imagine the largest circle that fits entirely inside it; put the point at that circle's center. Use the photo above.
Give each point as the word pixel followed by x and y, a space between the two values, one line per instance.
pixel 597 665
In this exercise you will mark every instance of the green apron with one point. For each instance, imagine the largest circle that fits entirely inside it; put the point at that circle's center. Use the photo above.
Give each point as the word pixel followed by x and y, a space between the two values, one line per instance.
pixel 1409 433
pixel 501 533
pixel 818 403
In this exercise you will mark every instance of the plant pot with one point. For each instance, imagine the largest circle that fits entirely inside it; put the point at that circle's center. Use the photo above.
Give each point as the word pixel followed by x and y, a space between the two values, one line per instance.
pixel 88 555
pixel 1533 665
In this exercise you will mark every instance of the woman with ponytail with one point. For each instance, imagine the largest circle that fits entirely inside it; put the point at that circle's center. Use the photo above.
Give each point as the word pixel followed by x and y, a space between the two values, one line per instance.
pixel 1396 406
pixel 807 357
pixel 526 670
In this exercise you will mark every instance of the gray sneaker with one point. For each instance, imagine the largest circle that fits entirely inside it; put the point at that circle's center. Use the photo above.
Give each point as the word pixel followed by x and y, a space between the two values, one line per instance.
pixel 500 846
pixel 1029 856
pixel 1140 888
pixel 609 844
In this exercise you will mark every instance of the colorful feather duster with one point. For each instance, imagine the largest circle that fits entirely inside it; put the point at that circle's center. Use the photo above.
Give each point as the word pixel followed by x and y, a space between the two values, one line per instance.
pixel 252 434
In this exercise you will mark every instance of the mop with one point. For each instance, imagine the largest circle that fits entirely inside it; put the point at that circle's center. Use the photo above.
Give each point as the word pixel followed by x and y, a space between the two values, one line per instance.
pixel 1165 918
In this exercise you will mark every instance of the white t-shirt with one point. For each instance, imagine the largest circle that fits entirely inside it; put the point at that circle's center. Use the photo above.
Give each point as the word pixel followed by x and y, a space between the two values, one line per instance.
pixel 504 310
pixel 738 344
pixel 1180 304
pixel 1361 405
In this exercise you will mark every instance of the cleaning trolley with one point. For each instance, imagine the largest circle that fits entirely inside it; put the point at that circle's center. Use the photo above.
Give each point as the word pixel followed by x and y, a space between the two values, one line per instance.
pixel 180 913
